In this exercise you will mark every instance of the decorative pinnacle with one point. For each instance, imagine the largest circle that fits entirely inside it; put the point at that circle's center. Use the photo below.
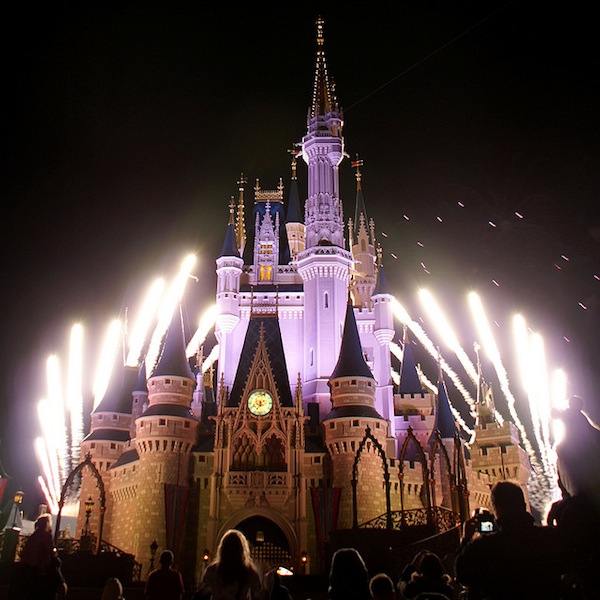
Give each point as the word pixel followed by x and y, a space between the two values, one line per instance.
pixel 280 185
pixel 320 36
pixel 295 153
pixel 231 210
pixel 357 164
pixel 241 182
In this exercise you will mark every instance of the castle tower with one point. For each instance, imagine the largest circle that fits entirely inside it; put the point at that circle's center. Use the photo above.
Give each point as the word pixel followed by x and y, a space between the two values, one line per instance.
pixel 496 449
pixel 362 243
pixel 165 435
pixel 229 271
pixel 325 264
pixel 108 439
pixel 353 398
pixel 444 429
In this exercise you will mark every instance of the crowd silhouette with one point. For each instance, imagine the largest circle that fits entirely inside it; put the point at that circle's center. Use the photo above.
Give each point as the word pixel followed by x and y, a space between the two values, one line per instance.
pixel 511 558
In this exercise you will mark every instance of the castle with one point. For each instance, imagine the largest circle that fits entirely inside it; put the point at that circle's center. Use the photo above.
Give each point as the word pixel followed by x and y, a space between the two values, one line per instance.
pixel 300 429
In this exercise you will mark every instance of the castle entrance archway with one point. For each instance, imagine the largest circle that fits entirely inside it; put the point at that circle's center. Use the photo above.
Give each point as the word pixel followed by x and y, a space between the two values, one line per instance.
pixel 269 544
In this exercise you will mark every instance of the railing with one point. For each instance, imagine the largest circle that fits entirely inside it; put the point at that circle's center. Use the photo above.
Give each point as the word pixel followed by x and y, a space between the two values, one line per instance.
pixel 258 479
pixel 441 518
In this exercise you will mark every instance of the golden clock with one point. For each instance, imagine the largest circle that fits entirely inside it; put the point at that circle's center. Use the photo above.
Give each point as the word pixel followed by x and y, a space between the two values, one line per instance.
pixel 260 403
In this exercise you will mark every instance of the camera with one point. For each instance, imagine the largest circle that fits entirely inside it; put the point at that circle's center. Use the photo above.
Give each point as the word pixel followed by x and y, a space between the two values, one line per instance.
pixel 485 521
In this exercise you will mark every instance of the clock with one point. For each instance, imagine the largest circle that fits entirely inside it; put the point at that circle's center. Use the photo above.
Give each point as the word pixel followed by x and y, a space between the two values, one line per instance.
pixel 260 403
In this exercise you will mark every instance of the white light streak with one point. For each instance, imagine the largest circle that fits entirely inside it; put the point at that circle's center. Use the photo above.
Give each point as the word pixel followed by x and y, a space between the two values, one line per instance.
pixel 74 391
pixel 207 321
pixel 106 362
pixel 167 307
pixel 145 317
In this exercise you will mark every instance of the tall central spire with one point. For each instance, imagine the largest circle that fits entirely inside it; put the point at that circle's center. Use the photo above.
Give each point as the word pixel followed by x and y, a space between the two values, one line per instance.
pixel 324 100
pixel 323 151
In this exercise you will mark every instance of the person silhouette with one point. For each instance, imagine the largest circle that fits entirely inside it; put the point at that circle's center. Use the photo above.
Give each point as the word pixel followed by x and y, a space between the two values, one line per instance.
pixel 165 583
pixel 518 560
pixel 233 574
pixel 348 576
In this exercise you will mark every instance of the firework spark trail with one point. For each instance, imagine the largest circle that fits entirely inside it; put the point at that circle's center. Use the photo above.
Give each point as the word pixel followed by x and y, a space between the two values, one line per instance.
pixel 444 328
pixel 75 393
pixel 167 308
pixel 532 362
pixel 205 324
pixel 397 351
pixel 489 344
pixel 542 398
pixel 52 504
pixel 44 452
pixel 55 416
pixel 106 361
pixel 146 316
pixel 211 358
pixel 403 316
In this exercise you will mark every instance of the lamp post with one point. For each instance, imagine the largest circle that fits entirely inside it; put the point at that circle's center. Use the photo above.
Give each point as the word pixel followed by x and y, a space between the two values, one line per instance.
pixel 12 531
pixel 153 549
pixel 18 500
pixel 87 541
pixel 304 561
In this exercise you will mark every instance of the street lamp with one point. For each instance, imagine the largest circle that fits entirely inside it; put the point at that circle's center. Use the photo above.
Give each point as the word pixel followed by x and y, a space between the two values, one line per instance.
pixel 304 561
pixel 89 504
pixel 18 500
pixel 206 555
pixel 153 549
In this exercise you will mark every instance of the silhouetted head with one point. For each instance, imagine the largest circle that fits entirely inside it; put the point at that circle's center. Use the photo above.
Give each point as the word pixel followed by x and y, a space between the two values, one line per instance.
pixel 348 577
pixel 576 403
pixel 507 499
pixel 381 587
pixel 43 523
pixel 233 547
pixel 166 559
pixel 431 566
pixel 113 590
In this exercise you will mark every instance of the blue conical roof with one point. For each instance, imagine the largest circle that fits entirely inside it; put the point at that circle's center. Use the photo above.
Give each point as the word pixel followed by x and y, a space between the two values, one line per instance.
pixel 351 361
pixel 409 378
pixel 172 359
pixel 294 213
pixel 444 419
pixel 117 398
pixel 381 287
pixel 230 243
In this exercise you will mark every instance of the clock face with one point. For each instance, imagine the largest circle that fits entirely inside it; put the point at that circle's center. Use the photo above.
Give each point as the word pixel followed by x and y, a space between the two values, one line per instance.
pixel 260 403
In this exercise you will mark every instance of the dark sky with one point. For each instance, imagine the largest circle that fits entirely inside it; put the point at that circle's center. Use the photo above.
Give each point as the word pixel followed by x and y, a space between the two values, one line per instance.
pixel 126 126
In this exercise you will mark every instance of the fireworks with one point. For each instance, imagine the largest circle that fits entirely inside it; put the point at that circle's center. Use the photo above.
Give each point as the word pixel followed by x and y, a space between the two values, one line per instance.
pixel 61 416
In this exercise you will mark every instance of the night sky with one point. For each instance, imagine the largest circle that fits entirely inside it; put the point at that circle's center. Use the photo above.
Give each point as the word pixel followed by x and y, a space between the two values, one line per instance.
pixel 126 127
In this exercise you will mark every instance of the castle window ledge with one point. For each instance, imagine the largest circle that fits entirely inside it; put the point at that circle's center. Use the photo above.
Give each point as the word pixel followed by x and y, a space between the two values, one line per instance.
pixel 260 479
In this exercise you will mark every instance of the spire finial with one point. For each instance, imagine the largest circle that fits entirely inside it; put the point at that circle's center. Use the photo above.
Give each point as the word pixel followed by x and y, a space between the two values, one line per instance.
pixel 320 36
pixel 231 211
pixel 357 164
pixel 294 154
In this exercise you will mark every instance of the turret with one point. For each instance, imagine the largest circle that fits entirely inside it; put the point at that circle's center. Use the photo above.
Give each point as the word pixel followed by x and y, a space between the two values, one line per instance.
pixel 323 151
pixel 362 244
pixel 165 435
pixel 325 264
pixel 353 411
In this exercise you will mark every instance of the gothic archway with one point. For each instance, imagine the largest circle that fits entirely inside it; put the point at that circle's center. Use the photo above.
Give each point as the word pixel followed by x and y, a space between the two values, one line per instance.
pixel 437 447
pixel 426 475
pixel 386 478
pixel 78 469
